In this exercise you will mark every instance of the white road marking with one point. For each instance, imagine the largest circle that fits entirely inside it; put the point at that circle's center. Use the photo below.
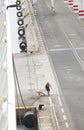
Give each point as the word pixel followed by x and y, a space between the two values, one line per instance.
pixel 67 125
pixel 64 116
pixel 66 49
pixel 62 110
pixel 54 112
pixel 44 117
pixel 59 101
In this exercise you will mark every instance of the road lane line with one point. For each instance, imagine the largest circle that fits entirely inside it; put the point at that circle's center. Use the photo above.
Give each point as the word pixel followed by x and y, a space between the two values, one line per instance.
pixel 64 117
pixel 62 110
pixel 60 103
pixel 67 125
pixel 65 49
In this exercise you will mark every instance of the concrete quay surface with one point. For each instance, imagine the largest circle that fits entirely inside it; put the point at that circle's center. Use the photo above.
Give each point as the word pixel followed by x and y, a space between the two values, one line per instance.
pixel 33 71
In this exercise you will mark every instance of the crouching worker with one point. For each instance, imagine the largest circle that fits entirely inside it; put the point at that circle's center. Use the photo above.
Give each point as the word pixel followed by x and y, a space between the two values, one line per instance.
pixel 40 93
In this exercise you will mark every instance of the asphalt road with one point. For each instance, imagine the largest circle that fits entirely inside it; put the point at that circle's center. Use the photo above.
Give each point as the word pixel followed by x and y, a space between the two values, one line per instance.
pixel 64 36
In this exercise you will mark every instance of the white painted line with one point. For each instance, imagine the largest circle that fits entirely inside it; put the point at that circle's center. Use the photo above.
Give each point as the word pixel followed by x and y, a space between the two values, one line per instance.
pixel 67 125
pixel 60 104
pixel 66 49
pixel 50 101
pixel 60 101
pixel 64 116
pixel 56 118
pixel 54 112
pixel 44 117
pixel 62 110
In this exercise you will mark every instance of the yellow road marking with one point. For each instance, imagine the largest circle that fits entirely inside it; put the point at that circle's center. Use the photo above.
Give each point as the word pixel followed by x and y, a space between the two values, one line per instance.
pixel 25 107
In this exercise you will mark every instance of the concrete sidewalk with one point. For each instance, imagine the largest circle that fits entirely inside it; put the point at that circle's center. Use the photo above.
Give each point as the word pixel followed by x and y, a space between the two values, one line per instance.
pixel 35 67
pixel 34 70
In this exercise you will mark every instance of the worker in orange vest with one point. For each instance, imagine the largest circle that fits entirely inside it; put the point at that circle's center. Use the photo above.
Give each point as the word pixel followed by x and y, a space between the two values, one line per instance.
pixel 47 87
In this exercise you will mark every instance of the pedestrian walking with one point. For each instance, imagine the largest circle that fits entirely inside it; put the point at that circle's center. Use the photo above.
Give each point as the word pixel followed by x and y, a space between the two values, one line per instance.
pixel 47 87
